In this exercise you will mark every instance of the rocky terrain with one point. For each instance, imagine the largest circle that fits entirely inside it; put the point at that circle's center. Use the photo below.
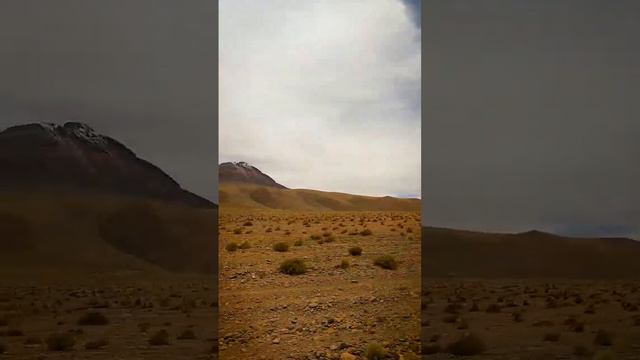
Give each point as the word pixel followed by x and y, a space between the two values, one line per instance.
pixel 531 295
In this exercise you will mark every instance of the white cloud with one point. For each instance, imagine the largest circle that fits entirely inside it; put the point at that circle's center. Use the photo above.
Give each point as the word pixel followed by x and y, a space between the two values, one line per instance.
pixel 322 95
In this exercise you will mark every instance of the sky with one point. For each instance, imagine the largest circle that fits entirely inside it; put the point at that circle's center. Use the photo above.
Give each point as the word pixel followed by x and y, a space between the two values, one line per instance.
pixel 531 116
pixel 142 72
pixel 323 94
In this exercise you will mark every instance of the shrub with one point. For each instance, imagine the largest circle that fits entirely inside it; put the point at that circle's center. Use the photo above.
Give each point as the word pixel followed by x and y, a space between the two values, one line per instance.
pixel 60 342
pixel 245 245
pixel 231 246
pixel 474 307
pixel 14 332
pixel 517 316
pixel 429 349
pixel 386 262
pixel 355 251
pixel 603 338
pixel 452 308
pixel 161 337
pixel 344 264
pixel 493 308
pixel 293 267
pixel 450 319
pixel 33 340
pixel 580 350
pixel 281 247
pixel 578 327
pixel 144 326
pixel 96 344
pixel 605 355
pixel 468 344
pixel 93 318
pixel 551 337
pixel 237 231
pixel 366 232
pixel 187 335
pixel 297 243
pixel 375 352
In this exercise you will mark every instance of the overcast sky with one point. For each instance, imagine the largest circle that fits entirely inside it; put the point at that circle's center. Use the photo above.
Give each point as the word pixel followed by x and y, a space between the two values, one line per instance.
pixel 143 72
pixel 531 115
pixel 323 94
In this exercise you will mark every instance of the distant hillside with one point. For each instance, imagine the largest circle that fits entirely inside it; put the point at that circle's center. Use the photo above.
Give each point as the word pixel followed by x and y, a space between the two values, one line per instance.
pixel 532 254
pixel 255 190
pixel 104 233
pixel 247 196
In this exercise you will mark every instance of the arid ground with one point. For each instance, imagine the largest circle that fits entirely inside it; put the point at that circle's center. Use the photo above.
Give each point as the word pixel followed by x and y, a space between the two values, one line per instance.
pixel 108 317
pixel 531 319
pixel 534 296
pixel 88 276
pixel 341 305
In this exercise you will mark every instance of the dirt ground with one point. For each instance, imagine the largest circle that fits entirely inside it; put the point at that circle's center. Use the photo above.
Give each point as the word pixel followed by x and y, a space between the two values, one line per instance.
pixel 117 318
pixel 328 311
pixel 532 319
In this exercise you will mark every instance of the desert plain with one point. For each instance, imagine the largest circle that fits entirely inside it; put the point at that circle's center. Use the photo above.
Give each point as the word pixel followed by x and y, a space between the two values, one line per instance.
pixel 344 305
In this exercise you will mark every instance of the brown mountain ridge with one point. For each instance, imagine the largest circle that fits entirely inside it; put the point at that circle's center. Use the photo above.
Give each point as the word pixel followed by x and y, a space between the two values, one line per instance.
pixel 531 254
pixel 242 186
pixel 73 157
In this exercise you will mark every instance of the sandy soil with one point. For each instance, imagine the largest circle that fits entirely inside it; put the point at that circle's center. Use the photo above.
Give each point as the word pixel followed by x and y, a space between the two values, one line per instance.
pixel 327 311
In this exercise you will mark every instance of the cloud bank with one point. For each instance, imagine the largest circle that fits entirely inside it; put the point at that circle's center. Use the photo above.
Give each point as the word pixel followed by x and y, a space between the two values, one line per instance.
pixel 531 116
pixel 322 95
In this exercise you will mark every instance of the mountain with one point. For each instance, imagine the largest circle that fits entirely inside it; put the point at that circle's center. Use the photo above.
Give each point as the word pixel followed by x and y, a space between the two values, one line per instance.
pixel 78 202
pixel 241 172
pixel 531 254
pixel 243 186
pixel 73 157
